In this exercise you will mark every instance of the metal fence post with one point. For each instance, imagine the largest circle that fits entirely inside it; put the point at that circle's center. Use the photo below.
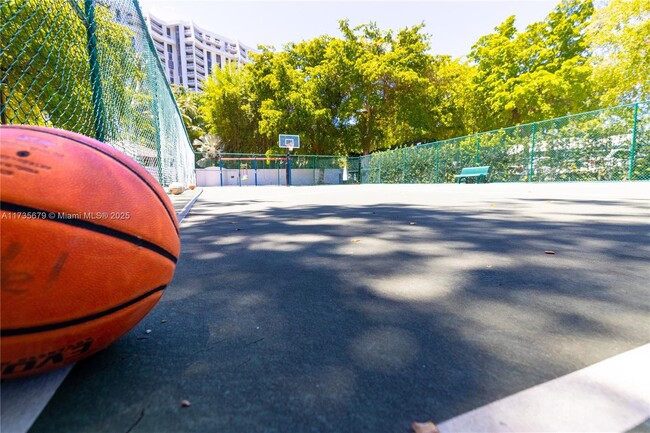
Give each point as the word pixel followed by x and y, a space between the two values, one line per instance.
pixel 4 78
pixel 478 149
pixel 91 45
pixel 633 145
pixel 156 115
pixel 404 165
pixel 437 166
pixel 532 153
pixel 379 175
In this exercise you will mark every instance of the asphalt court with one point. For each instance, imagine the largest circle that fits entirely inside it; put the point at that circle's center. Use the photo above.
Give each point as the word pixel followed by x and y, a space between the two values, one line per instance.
pixel 367 307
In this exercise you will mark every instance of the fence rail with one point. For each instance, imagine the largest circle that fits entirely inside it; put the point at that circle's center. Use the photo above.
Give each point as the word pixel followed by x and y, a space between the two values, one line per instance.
pixel 609 144
pixel 90 67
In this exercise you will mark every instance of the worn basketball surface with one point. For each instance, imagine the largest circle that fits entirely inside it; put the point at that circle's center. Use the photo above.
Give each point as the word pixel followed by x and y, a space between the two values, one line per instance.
pixel 89 243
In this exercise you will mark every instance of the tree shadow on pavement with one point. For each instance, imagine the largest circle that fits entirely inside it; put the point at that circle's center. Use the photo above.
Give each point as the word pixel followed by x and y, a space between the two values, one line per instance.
pixel 362 319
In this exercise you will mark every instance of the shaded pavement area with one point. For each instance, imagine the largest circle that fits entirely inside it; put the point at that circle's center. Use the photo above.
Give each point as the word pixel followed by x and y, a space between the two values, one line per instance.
pixel 364 308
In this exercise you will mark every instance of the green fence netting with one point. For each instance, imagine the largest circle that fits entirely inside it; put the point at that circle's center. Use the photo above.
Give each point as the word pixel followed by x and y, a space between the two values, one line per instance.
pixel 90 67
pixel 605 145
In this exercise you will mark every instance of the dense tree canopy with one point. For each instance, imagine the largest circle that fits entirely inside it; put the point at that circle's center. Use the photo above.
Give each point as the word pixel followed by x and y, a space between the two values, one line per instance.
pixel 536 74
pixel 375 89
pixel 620 39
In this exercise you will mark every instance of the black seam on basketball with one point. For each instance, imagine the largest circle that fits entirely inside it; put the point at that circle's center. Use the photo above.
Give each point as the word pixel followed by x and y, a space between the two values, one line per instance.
pixel 78 321
pixel 87 225
pixel 171 216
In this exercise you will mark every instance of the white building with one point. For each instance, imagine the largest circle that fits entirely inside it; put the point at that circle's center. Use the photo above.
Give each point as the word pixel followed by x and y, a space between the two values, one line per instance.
pixel 188 53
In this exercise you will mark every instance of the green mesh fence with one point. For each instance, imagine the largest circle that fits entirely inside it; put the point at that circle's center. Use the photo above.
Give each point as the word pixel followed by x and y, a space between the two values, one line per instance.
pixel 230 169
pixel 604 145
pixel 91 67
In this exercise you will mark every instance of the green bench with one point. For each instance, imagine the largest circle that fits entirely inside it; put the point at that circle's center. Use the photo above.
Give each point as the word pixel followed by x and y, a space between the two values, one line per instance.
pixel 476 173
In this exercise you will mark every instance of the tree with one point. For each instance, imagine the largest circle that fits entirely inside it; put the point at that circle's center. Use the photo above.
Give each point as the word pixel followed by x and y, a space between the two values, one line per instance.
pixel 189 104
pixel 229 112
pixel 451 96
pixel 540 73
pixel 388 86
pixel 620 40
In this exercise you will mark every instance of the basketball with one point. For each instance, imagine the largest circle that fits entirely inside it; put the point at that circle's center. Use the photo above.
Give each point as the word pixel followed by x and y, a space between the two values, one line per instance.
pixel 89 242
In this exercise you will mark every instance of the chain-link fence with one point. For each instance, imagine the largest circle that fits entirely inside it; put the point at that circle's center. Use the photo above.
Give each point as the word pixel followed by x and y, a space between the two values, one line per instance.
pixel 91 67
pixel 229 169
pixel 610 144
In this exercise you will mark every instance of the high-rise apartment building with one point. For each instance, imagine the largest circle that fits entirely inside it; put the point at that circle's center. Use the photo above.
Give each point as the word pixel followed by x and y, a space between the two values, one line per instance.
pixel 188 53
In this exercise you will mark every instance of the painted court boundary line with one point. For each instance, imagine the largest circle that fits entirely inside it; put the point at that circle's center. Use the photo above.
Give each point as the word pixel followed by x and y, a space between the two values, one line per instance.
pixel 610 396
pixel 23 400
pixel 188 207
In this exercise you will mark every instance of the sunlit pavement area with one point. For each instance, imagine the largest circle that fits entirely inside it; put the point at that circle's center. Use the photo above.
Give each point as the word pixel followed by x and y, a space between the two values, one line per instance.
pixel 363 308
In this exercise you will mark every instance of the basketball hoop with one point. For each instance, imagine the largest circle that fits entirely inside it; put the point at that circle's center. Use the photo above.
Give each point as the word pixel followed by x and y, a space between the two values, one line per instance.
pixel 289 142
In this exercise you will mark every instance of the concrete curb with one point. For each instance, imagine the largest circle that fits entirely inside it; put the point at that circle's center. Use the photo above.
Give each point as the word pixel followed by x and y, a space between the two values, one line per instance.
pixel 186 209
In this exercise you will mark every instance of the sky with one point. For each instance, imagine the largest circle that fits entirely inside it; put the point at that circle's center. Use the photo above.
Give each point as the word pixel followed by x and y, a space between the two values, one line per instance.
pixel 454 26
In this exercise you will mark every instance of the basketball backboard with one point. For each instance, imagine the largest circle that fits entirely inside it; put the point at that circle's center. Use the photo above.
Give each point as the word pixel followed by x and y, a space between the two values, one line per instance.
pixel 289 141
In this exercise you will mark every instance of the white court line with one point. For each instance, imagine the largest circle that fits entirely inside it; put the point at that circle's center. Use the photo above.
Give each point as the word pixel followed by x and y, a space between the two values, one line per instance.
pixel 188 206
pixel 23 400
pixel 610 396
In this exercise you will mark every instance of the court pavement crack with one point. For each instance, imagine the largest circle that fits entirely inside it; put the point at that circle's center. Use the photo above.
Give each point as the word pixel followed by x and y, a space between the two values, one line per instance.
pixel 137 421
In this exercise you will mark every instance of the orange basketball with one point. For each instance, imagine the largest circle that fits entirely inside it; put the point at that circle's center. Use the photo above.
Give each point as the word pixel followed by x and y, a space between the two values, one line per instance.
pixel 89 242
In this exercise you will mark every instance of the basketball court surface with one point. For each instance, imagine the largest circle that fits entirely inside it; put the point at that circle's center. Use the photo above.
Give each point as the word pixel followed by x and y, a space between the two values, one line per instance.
pixel 364 308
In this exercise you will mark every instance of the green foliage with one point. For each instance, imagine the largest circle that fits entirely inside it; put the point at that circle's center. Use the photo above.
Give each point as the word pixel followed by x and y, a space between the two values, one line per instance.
pixel 540 73
pixel 620 40
pixel 189 104
pixel 370 90
pixel 231 112
pixel 44 72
